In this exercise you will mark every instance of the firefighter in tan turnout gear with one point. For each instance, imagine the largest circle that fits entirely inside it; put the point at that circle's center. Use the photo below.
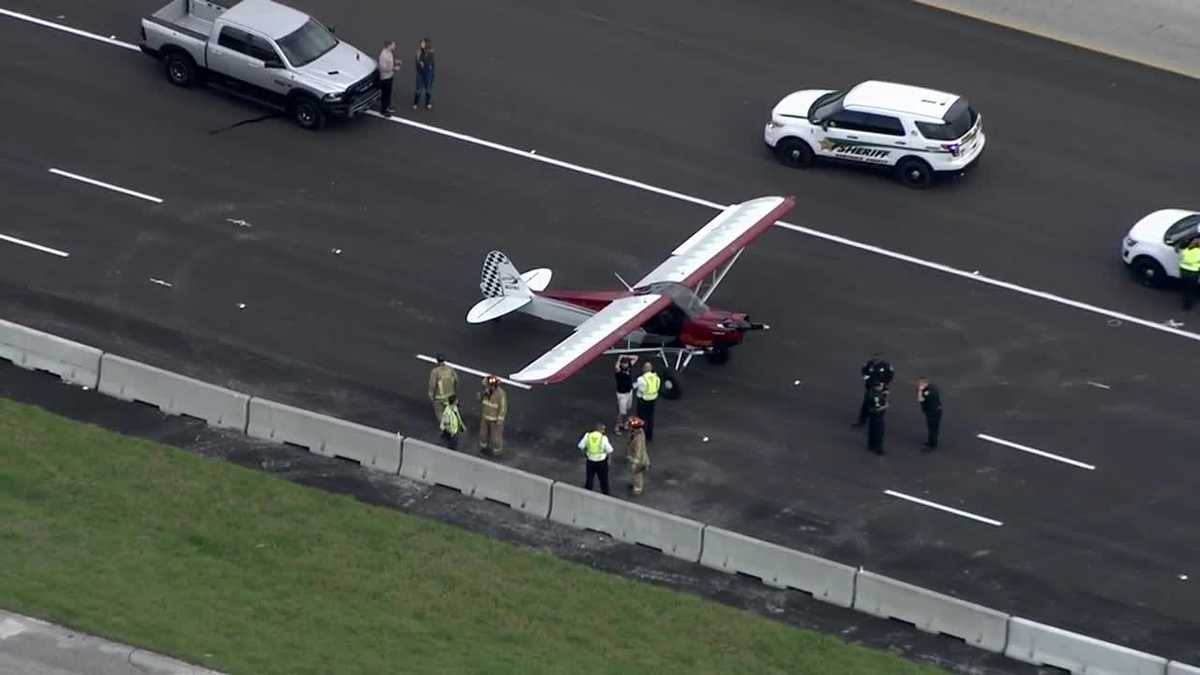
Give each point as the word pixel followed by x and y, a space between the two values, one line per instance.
pixel 443 383
pixel 639 459
pixel 493 402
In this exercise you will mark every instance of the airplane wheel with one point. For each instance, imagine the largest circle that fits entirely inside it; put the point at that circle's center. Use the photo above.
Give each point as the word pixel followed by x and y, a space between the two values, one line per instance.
pixel 671 388
pixel 719 355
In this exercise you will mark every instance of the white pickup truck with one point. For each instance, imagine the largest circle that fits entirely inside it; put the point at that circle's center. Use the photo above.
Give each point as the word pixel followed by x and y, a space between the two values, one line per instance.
pixel 266 52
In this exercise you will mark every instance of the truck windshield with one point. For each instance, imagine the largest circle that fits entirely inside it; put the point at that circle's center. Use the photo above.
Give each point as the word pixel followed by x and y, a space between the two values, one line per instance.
pixel 307 43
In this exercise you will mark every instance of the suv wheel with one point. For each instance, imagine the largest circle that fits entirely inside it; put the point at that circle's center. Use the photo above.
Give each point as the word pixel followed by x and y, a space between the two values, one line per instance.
pixel 181 71
pixel 914 173
pixel 307 113
pixel 1148 271
pixel 794 152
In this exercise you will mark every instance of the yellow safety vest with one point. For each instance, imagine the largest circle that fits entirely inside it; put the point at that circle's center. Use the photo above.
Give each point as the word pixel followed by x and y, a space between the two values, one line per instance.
pixel 652 384
pixel 595 446
pixel 1189 260
pixel 451 420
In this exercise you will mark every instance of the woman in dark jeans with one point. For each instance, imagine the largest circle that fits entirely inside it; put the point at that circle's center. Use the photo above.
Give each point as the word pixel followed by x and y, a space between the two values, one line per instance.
pixel 424 64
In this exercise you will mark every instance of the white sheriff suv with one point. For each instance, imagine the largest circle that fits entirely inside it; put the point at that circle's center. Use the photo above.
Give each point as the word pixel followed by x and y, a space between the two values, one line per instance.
pixel 917 132
pixel 1151 249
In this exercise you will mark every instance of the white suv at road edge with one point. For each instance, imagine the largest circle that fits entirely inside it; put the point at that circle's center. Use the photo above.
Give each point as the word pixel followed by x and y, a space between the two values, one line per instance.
pixel 917 131
pixel 1151 249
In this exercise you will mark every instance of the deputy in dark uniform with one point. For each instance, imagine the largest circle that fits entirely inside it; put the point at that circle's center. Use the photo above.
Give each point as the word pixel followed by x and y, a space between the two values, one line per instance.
pixel 931 405
pixel 877 400
pixel 874 371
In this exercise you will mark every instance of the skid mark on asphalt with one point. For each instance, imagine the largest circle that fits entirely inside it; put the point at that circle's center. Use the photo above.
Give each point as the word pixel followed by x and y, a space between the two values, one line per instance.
pixel 252 120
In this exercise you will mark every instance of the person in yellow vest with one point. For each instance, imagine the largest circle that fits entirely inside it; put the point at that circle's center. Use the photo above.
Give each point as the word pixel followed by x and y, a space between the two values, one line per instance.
pixel 596 447
pixel 443 383
pixel 647 388
pixel 452 424
pixel 1189 272
pixel 493 402
pixel 639 458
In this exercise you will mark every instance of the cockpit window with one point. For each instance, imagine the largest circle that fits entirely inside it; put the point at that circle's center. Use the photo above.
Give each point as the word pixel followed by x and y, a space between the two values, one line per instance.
pixel 683 297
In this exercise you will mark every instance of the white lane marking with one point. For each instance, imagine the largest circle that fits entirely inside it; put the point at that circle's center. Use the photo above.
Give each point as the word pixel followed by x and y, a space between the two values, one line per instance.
pixel 975 276
pixel 942 507
pixel 833 238
pixel 1098 385
pixel 473 371
pixel 68 29
pixel 39 247
pixel 1035 451
pixel 160 282
pixel 107 186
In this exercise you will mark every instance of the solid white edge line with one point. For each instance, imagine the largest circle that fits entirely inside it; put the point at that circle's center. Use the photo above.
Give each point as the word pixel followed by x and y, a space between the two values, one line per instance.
pixel 942 507
pixel 107 186
pixel 480 373
pixel 1035 451
pixel 39 247
pixel 1145 323
pixel 833 238
pixel 67 29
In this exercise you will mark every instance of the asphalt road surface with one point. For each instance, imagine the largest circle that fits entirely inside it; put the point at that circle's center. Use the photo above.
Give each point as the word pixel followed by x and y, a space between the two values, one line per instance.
pixel 312 268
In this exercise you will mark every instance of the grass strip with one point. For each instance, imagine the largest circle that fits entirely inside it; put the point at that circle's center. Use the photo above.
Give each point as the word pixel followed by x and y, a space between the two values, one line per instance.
pixel 245 573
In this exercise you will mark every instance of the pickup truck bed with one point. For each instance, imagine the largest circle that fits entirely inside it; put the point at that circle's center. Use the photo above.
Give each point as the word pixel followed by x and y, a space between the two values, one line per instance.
pixel 193 18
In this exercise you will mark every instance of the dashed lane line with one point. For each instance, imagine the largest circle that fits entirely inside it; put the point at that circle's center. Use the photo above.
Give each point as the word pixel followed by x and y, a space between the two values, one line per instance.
pixel 1035 451
pixel 818 234
pixel 36 247
pixel 106 186
pixel 943 507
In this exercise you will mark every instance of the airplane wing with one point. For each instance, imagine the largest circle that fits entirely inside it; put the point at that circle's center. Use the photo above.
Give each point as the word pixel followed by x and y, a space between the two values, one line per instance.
pixel 592 337
pixel 719 241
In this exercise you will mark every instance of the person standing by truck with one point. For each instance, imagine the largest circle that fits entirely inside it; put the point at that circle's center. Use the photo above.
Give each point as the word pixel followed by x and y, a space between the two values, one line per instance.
pixel 387 71
pixel 424 64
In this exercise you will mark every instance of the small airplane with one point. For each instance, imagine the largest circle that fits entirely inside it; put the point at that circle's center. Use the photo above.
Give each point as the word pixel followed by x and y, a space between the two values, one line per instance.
pixel 666 312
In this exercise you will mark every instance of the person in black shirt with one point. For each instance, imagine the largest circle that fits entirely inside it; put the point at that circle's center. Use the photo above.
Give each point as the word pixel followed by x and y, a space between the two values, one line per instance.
pixel 876 369
pixel 931 405
pixel 624 377
pixel 877 408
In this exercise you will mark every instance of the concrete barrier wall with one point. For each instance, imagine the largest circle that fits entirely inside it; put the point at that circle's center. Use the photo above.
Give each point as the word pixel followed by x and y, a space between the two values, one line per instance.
pixel 175 394
pixel 1177 668
pixel 1040 644
pixel 932 612
pixel 324 435
pixel 34 350
pixel 778 566
pixel 625 521
pixel 476 477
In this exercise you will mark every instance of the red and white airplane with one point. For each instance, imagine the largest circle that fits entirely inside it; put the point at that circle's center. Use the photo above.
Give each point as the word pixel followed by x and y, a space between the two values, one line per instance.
pixel 665 312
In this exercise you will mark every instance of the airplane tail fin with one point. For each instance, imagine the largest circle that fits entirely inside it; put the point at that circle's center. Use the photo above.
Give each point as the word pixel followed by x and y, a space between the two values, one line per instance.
pixel 500 277
pixel 504 289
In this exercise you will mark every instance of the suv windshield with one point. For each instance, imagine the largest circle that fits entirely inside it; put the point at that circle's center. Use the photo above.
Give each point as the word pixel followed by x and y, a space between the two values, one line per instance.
pixel 957 121
pixel 307 43
pixel 826 105
pixel 1184 231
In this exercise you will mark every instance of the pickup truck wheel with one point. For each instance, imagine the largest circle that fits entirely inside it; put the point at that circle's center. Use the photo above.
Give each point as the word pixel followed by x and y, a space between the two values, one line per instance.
pixel 307 113
pixel 181 71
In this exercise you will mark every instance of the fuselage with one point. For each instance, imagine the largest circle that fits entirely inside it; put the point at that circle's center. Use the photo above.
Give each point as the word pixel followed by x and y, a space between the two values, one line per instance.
pixel 708 329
